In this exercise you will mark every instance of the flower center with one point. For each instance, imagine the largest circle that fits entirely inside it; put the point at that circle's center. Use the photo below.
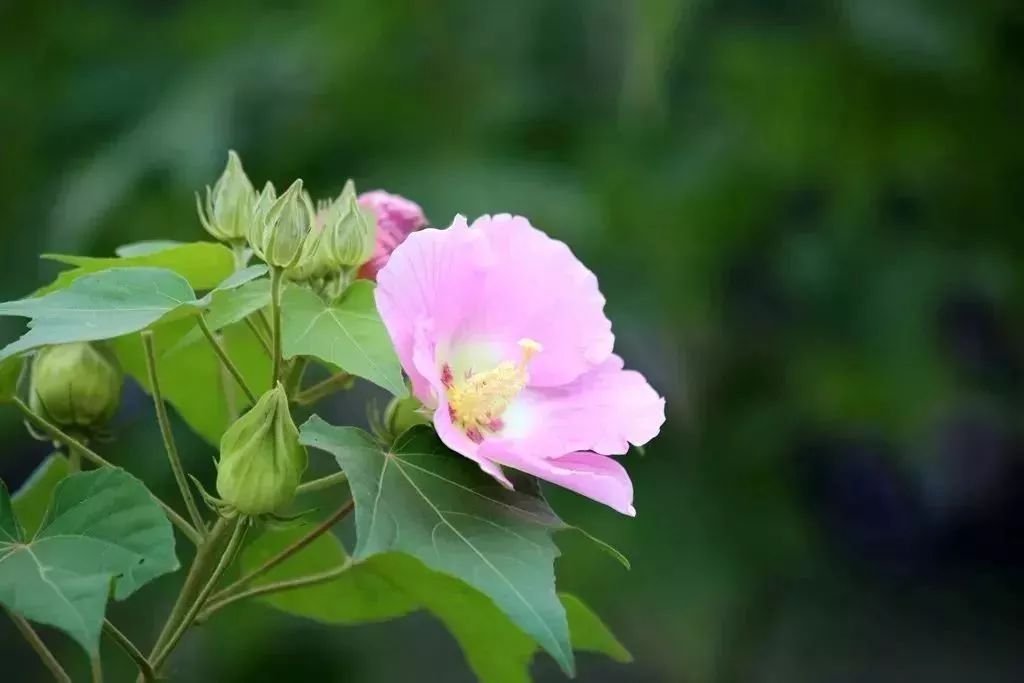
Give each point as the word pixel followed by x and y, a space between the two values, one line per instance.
pixel 477 401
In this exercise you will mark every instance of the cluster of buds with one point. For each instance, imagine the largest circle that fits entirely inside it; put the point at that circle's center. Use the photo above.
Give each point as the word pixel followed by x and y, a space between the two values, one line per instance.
pixel 345 235
pixel 316 246
pixel 76 386
pixel 351 235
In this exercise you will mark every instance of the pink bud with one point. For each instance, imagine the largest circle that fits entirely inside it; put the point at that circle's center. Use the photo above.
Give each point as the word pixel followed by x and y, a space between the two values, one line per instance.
pixel 397 218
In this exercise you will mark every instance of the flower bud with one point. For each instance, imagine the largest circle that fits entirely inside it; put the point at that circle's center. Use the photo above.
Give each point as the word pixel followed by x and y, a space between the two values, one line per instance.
pixel 281 225
pixel 261 459
pixel 356 230
pixel 75 385
pixel 229 207
pixel 397 218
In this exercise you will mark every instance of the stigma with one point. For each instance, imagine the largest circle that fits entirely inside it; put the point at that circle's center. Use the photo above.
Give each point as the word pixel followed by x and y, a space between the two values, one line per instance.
pixel 477 401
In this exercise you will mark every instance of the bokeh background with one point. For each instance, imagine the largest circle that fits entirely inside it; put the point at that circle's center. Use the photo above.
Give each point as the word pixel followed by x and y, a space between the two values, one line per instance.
pixel 806 217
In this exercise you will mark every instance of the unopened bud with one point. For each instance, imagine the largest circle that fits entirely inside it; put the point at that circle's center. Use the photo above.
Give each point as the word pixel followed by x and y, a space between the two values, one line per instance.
pixel 75 385
pixel 282 225
pixel 228 209
pixel 397 218
pixel 261 459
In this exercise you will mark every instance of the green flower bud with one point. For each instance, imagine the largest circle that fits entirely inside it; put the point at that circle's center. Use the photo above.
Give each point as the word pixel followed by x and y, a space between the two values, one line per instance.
pixel 345 237
pixel 261 459
pixel 356 230
pixel 281 225
pixel 229 207
pixel 75 385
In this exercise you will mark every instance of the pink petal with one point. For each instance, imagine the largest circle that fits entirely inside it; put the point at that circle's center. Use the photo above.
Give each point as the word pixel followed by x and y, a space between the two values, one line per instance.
pixel 538 289
pixel 397 217
pixel 605 411
pixel 430 281
pixel 455 439
pixel 595 476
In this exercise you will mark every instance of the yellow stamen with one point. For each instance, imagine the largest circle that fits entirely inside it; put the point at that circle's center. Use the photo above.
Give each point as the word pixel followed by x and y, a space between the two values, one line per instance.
pixel 479 400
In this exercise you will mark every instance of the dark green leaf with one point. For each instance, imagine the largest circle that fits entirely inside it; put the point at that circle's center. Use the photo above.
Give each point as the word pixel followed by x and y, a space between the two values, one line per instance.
pixel 394 584
pixel 103 526
pixel 101 306
pixel 33 498
pixel 348 334
pixel 421 499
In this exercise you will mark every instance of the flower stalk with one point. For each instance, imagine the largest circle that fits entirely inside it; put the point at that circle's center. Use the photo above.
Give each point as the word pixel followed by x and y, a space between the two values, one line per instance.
pixel 165 430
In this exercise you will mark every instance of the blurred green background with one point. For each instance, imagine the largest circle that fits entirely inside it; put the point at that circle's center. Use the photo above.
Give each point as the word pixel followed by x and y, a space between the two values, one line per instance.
pixel 806 217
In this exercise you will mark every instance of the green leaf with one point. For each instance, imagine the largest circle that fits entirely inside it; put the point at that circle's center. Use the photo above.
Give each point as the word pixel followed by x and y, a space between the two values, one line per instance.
pixel 100 306
pixel 191 376
pixel 202 264
pixel 420 498
pixel 348 334
pixel 394 584
pixel 103 526
pixel 33 498
pixel 589 633
pixel 10 373
pixel 145 248
pixel 232 307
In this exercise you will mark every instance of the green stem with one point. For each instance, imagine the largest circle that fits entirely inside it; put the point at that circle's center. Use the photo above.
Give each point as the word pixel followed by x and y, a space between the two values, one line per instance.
pixel 206 554
pixel 276 587
pixel 74 460
pixel 276 278
pixel 323 388
pixel 145 669
pixel 225 359
pixel 168 436
pixel 76 446
pixel 259 335
pixel 284 554
pixel 190 615
pixel 33 639
pixel 96 666
pixel 322 483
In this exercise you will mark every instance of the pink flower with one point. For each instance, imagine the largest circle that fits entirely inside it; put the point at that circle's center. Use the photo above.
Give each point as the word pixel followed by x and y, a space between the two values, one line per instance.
pixel 503 334
pixel 397 217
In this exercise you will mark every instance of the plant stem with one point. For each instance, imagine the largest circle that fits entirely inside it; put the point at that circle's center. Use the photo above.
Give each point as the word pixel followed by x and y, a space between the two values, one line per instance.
pixel 276 277
pixel 30 635
pixel 259 335
pixel 145 669
pixel 74 460
pixel 96 665
pixel 76 446
pixel 276 587
pixel 287 552
pixel 230 550
pixel 225 359
pixel 323 388
pixel 197 573
pixel 322 483
pixel 168 436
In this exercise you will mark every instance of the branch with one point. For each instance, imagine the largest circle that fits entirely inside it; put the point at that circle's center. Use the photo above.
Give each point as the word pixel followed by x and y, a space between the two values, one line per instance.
pixel 39 646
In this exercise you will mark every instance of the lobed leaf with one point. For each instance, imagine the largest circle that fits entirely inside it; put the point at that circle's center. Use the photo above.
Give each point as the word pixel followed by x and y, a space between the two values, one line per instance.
pixel 394 584
pixel 102 527
pixel 348 333
pixel 419 498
